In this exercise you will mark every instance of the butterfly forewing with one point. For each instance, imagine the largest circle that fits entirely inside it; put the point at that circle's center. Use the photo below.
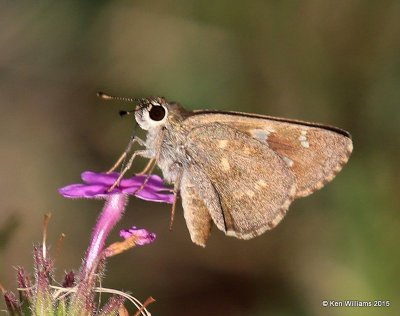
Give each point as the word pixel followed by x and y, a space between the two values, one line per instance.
pixel 251 185
pixel 315 153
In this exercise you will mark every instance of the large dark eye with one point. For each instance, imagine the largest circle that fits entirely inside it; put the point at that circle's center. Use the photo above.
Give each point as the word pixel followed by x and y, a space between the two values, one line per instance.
pixel 157 113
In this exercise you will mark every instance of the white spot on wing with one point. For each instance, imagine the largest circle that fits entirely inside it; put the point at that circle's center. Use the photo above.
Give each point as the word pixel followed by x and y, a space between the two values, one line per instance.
pixel 305 144
pixel 262 183
pixel 250 193
pixel 222 143
pixel 225 164
pixel 260 134
pixel 289 162
pixel 303 139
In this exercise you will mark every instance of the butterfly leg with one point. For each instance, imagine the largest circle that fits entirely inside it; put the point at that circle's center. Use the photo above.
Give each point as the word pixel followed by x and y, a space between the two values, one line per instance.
pixel 134 139
pixel 142 153
pixel 177 185
pixel 148 167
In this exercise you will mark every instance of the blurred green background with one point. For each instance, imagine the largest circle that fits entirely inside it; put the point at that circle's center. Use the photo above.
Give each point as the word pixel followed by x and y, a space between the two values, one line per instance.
pixel 335 62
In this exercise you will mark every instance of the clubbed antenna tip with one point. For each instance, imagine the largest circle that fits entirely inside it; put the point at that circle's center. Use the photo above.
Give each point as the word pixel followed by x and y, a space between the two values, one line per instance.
pixel 106 96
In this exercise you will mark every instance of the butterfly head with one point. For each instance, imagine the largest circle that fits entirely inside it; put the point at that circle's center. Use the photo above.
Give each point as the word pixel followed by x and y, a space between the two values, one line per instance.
pixel 151 112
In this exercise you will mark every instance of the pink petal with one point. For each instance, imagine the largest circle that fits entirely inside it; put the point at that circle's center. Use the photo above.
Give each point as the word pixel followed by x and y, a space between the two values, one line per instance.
pixel 83 190
pixel 91 177
pixel 155 182
pixel 150 195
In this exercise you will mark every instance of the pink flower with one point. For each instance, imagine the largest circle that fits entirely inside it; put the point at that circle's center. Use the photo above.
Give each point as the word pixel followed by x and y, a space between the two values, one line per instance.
pixel 96 185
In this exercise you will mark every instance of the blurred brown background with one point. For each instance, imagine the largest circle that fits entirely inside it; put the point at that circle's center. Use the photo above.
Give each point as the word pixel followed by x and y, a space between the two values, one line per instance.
pixel 336 62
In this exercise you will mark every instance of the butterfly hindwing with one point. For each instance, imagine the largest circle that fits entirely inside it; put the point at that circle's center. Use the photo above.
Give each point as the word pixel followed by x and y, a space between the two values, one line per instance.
pixel 196 213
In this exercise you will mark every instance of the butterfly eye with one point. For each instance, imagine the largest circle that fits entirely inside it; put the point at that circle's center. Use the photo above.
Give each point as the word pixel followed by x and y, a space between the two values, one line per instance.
pixel 157 113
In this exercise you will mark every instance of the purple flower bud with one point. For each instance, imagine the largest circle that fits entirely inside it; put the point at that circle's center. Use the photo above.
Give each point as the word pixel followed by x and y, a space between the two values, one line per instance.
pixel 142 236
pixel 13 305
pixel 24 282
pixel 69 279
pixel 112 306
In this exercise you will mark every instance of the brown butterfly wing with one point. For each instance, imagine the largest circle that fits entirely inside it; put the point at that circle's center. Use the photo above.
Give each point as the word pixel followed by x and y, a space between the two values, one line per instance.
pixel 314 152
pixel 245 185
